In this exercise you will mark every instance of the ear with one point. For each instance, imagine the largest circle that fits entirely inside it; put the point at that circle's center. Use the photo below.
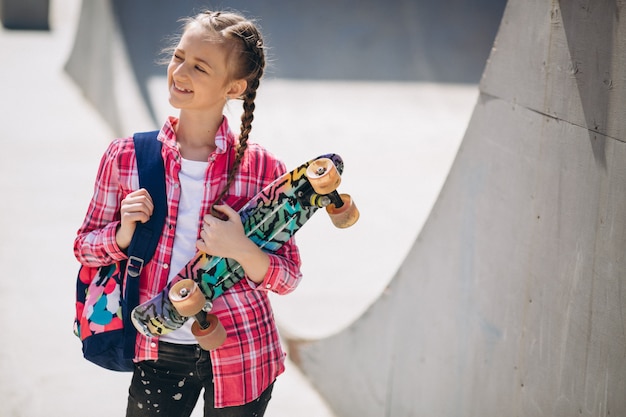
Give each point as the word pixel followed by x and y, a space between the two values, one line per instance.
pixel 237 88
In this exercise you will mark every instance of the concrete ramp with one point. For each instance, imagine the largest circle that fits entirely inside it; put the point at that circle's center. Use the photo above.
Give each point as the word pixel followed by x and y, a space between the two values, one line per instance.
pixel 119 45
pixel 511 300
pixel 101 66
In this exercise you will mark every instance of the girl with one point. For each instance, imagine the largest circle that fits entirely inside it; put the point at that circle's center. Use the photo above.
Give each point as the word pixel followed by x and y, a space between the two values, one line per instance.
pixel 220 56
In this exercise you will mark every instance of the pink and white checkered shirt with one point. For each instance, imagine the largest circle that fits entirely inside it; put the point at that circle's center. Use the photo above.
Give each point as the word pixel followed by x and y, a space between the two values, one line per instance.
pixel 252 357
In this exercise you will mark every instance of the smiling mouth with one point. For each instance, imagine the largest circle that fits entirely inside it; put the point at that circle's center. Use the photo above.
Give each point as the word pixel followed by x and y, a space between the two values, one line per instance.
pixel 182 90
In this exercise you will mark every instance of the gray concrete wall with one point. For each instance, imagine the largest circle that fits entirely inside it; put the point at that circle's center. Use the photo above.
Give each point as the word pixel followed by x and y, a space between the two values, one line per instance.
pixel 510 302
pixel 366 40
pixel 99 64
pixel 25 14
pixel 119 44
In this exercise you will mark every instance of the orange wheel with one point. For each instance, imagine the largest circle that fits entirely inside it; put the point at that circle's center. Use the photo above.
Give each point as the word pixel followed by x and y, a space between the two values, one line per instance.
pixel 323 176
pixel 344 216
pixel 213 336
pixel 187 297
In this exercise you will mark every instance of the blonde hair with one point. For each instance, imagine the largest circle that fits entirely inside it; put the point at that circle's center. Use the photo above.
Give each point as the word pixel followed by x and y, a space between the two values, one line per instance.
pixel 246 61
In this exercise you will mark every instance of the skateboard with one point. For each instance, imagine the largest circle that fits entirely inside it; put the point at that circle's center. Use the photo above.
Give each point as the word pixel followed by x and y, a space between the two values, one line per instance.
pixel 269 219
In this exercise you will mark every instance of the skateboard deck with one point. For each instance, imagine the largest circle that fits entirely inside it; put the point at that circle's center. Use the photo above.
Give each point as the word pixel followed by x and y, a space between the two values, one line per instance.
pixel 269 219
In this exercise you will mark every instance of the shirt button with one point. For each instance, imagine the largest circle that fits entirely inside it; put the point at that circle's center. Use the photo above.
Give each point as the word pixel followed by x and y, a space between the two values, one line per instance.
pixel 165 266
pixel 268 286
pixel 153 344
pixel 176 185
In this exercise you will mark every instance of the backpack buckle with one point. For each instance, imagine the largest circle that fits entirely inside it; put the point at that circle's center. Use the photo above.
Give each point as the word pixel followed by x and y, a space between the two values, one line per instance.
pixel 134 267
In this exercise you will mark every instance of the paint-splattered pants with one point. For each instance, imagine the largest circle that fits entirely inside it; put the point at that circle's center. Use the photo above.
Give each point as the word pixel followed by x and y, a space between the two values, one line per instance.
pixel 171 386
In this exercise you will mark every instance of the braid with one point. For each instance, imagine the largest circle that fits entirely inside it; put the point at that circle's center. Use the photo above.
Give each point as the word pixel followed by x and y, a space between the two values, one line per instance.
pixel 250 66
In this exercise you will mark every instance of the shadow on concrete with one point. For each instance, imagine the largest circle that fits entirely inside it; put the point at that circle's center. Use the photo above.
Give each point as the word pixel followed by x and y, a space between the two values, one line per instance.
pixel 398 40
pixel 25 14
pixel 590 62
pixel 365 40
pixel 119 44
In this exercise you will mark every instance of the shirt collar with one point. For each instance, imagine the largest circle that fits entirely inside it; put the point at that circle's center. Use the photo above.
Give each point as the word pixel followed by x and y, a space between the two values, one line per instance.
pixel 224 137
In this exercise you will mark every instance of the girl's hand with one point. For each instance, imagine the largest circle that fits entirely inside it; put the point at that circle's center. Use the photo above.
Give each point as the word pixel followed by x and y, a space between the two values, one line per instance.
pixel 222 234
pixel 136 207
pixel 227 239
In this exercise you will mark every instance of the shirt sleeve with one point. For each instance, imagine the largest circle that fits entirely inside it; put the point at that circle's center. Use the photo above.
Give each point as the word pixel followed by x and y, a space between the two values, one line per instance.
pixel 283 274
pixel 95 243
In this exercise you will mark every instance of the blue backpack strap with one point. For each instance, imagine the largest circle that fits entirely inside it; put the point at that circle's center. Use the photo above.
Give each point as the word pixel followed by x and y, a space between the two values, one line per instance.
pixel 146 237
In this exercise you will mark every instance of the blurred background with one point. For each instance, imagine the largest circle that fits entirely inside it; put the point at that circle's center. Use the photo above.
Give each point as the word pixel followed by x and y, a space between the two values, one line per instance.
pixel 388 85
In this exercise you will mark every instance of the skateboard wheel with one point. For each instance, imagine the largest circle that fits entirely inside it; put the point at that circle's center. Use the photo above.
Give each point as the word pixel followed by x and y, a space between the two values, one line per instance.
pixel 344 216
pixel 323 176
pixel 187 298
pixel 213 336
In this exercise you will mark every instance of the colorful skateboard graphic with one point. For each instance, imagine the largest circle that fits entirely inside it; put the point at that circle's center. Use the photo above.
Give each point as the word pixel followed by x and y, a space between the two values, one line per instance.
pixel 270 219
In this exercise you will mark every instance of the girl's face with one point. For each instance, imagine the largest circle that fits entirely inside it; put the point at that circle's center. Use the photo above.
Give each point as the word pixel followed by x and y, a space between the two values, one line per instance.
pixel 197 74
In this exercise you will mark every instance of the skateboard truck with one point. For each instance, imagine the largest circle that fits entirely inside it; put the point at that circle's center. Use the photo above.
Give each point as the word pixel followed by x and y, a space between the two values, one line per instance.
pixel 310 198
pixel 325 179
pixel 189 301
pixel 333 198
pixel 201 316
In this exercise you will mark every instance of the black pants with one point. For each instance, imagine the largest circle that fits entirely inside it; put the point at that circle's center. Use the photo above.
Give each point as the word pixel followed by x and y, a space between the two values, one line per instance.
pixel 171 386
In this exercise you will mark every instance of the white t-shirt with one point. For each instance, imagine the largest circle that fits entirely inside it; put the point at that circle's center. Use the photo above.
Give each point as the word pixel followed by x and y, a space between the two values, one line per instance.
pixel 192 182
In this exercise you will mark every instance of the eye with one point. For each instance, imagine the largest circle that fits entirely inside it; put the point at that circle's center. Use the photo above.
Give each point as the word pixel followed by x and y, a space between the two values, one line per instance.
pixel 177 57
pixel 199 68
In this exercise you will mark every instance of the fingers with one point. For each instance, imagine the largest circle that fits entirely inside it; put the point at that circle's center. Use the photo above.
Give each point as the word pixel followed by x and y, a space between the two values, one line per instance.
pixel 221 212
pixel 136 207
pixel 221 237
pixel 201 246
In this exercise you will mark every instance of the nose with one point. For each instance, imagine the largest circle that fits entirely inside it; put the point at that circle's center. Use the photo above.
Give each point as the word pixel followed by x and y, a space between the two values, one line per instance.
pixel 179 69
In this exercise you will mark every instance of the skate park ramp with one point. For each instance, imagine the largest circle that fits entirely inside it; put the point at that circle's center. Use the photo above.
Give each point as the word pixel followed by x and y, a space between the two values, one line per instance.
pixel 511 300
pixel 508 302
pixel 56 137
pixel 349 40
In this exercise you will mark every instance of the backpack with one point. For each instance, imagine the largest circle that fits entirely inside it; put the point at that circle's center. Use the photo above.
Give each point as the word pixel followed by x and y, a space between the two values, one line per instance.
pixel 105 296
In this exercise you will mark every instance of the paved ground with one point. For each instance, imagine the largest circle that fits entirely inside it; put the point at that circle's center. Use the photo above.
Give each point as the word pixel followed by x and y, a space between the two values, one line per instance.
pixel 391 135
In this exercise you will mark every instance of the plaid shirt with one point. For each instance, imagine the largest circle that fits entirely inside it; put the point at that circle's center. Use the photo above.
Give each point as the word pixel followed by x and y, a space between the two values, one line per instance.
pixel 252 357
